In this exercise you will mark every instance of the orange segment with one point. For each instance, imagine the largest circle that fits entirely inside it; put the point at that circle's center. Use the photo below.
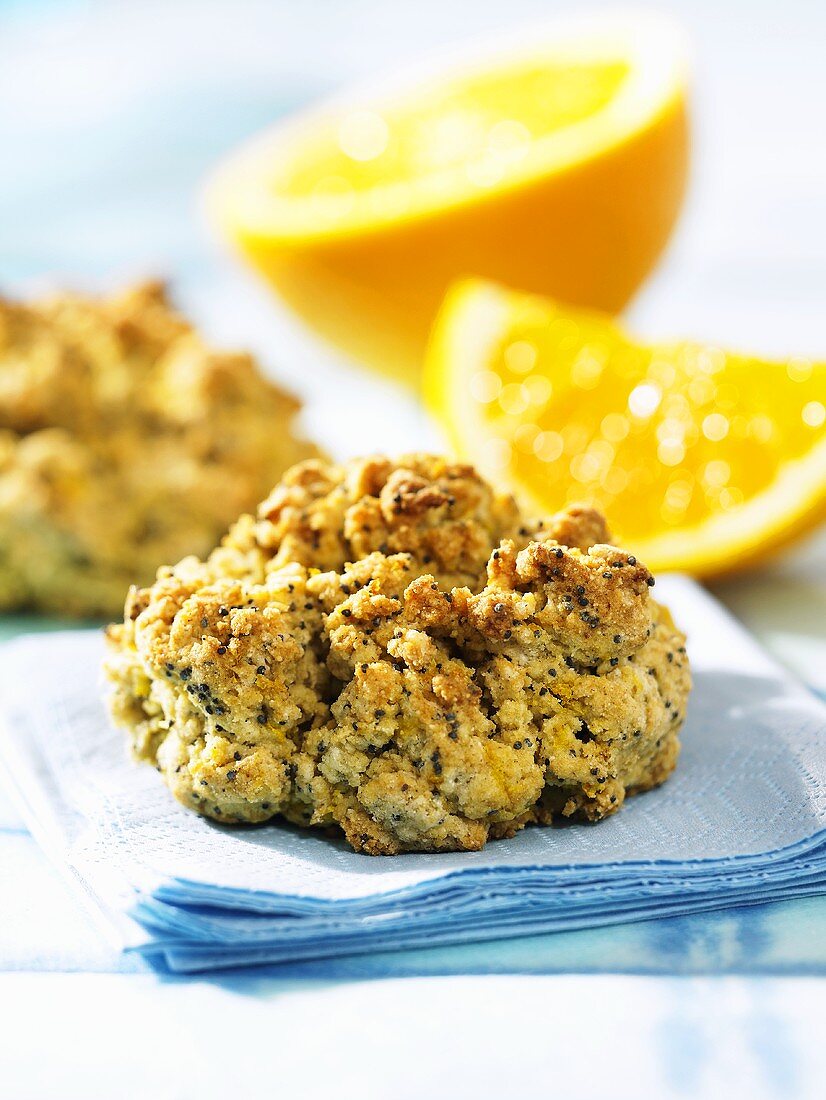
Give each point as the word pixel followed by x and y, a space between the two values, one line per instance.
pixel 702 459
pixel 557 165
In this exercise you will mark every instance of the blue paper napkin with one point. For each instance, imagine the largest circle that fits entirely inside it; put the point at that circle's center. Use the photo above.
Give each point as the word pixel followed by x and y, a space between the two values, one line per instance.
pixel 742 820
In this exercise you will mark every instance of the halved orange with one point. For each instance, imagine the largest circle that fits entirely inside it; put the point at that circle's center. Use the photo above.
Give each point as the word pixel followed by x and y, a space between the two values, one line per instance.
pixel 702 459
pixel 556 164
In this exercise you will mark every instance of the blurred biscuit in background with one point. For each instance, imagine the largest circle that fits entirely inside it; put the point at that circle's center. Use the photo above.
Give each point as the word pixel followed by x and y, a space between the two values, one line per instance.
pixel 125 442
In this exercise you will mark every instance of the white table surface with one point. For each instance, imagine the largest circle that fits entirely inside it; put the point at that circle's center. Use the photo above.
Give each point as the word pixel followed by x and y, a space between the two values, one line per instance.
pixel 109 116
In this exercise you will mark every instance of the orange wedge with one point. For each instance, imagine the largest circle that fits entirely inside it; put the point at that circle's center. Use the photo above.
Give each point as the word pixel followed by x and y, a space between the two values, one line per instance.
pixel 703 459
pixel 557 165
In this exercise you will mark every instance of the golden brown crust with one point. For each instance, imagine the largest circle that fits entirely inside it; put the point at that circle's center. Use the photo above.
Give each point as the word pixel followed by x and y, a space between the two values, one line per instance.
pixel 584 600
pixel 233 678
pixel 410 742
pixel 125 442
pixel 579 526
pixel 414 712
pixel 442 513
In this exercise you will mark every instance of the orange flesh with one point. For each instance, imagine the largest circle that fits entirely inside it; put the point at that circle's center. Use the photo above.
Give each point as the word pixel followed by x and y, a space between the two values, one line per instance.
pixel 482 124
pixel 659 437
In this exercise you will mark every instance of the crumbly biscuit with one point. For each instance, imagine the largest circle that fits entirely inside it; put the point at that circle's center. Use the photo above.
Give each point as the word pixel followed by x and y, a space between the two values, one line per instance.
pixel 125 442
pixel 442 513
pixel 411 697
pixel 412 757
pixel 221 679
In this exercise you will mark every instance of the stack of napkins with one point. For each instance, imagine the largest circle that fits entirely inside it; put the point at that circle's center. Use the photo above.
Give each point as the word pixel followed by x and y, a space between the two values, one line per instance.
pixel 743 820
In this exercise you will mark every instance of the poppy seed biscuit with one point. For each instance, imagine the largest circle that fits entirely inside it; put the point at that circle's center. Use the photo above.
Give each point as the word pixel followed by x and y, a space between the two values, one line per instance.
pixel 423 673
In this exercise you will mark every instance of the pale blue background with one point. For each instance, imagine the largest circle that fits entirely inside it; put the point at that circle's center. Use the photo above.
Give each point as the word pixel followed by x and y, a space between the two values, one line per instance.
pixel 110 114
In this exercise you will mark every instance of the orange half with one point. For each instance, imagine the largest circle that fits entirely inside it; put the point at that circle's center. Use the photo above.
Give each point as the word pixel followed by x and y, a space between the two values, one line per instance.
pixel 556 165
